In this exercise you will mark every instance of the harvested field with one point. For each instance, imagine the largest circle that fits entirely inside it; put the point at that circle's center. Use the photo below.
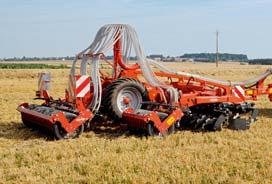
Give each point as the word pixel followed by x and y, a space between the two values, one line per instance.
pixel 109 155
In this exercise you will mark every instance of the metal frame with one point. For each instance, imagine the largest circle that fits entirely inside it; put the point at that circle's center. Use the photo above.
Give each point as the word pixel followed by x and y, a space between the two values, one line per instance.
pixel 192 91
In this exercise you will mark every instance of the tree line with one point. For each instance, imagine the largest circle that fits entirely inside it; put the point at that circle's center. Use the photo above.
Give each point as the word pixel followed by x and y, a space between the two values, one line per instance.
pixel 31 66
pixel 260 62
pixel 24 58
pixel 201 57
pixel 211 57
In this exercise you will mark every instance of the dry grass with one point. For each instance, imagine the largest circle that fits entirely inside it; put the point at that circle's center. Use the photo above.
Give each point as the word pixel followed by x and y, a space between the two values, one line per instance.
pixel 107 156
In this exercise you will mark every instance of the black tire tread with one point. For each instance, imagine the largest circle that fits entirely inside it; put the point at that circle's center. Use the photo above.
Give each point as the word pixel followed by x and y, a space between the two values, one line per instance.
pixel 111 90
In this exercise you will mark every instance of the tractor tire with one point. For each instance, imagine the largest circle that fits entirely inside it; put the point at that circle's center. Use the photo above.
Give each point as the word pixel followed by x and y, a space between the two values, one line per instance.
pixel 120 90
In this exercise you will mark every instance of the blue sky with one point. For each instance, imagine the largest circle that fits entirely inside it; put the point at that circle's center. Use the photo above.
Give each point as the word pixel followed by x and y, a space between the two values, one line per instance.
pixel 171 27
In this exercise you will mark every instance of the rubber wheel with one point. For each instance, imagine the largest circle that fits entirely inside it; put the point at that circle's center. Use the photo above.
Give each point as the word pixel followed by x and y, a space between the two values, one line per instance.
pixel 117 91
pixel 60 133
pixel 153 131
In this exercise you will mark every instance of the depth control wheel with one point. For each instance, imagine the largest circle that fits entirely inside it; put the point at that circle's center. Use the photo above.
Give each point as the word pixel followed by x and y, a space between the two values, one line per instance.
pixel 122 94
pixel 60 133
pixel 153 131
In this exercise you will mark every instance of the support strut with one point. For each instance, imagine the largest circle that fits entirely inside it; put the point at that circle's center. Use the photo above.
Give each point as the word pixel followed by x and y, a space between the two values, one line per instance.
pixel 118 59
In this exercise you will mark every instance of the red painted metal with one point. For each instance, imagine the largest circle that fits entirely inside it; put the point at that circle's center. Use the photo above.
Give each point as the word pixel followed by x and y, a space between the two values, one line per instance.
pixel 162 126
pixel 118 59
pixel 141 120
pixel 49 121
pixel 198 91
pixel 35 117
pixel 193 91
pixel 75 123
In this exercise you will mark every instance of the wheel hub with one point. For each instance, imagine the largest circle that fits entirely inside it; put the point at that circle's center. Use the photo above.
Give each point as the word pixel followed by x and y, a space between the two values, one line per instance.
pixel 126 100
pixel 129 98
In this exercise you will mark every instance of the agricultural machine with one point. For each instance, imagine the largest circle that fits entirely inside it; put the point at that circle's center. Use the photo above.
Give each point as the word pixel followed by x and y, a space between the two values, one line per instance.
pixel 143 94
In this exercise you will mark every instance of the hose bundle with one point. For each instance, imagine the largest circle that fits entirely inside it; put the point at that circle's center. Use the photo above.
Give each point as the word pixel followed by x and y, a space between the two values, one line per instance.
pixel 104 41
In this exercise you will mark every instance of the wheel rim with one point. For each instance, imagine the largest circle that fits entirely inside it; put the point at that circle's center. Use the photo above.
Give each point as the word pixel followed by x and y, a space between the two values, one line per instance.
pixel 129 97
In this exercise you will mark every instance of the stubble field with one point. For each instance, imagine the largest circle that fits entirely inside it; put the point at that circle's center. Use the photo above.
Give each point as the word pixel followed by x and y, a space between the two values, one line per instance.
pixel 114 156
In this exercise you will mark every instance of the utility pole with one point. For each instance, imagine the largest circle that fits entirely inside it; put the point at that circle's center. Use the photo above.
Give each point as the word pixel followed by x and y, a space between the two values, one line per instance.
pixel 217 48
